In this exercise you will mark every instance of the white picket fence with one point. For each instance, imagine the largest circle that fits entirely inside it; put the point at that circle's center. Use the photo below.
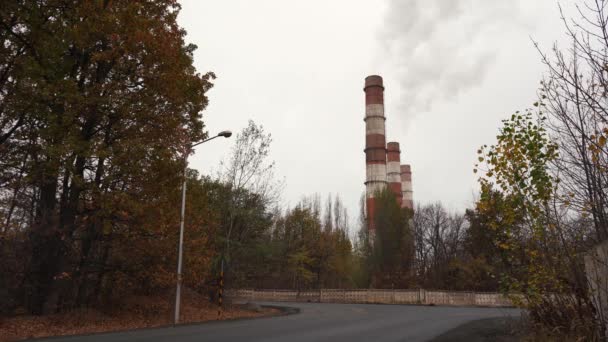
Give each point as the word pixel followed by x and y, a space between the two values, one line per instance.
pixel 375 296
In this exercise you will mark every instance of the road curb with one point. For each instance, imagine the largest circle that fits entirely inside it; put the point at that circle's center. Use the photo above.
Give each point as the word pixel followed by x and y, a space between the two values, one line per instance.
pixel 399 304
pixel 284 311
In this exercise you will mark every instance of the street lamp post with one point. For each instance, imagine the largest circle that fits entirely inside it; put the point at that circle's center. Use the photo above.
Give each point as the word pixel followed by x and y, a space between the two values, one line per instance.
pixel 178 290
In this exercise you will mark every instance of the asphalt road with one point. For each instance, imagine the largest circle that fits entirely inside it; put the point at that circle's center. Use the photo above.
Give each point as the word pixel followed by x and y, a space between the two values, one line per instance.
pixel 320 322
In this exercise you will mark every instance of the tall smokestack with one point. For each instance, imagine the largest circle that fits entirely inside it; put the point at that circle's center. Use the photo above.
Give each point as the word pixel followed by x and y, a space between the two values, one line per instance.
pixel 393 171
pixel 406 187
pixel 375 144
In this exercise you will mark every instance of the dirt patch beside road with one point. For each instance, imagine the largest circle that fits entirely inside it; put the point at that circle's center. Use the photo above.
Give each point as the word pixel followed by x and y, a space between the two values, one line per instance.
pixel 499 329
pixel 140 312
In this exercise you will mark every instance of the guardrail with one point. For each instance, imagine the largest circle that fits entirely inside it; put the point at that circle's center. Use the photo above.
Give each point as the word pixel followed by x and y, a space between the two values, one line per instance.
pixel 375 296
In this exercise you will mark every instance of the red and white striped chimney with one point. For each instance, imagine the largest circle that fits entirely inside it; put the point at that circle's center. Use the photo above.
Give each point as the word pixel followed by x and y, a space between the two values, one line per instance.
pixel 406 187
pixel 393 171
pixel 375 144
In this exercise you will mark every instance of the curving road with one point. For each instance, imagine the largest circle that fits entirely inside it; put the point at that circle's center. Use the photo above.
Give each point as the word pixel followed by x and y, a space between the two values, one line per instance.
pixel 320 322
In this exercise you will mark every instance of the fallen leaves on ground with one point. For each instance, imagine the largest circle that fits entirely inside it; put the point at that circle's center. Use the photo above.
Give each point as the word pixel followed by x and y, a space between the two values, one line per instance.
pixel 138 312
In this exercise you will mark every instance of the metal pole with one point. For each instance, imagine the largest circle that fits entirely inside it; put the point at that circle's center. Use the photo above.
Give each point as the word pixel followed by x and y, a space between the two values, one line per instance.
pixel 178 289
pixel 220 294
pixel 179 255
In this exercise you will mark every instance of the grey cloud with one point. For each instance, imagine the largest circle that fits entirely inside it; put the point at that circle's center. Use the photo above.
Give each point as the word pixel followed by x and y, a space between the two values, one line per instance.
pixel 442 48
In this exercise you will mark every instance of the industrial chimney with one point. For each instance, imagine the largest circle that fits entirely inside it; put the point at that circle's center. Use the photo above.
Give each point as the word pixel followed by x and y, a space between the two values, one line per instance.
pixel 375 144
pixel 406 187
pixel 393 160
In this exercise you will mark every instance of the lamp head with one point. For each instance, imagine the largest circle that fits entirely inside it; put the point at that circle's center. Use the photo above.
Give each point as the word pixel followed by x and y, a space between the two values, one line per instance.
pixel 225 134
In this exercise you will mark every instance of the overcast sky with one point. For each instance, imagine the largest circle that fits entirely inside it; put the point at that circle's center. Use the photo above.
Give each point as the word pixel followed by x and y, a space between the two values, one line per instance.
pixel 452 70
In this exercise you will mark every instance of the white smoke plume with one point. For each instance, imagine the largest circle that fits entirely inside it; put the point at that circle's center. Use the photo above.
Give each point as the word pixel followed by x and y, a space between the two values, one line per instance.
pixel 442 48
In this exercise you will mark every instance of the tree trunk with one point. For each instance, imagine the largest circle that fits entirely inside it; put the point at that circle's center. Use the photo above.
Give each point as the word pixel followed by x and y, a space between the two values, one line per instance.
pixel 47 247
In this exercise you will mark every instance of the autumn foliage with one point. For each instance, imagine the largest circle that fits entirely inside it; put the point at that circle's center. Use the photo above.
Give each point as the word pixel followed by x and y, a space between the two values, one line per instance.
pixel 100 104
pixel 99 99
pixel 543 193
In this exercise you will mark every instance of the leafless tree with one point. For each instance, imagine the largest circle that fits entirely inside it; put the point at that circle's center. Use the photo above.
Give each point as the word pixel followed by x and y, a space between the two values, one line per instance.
pixel 573 94
pixel 249 171
pixel 438 237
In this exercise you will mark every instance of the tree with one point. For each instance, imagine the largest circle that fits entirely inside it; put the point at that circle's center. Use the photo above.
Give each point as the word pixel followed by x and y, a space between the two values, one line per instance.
pixel 299 264
pixel 298 251
pixel 519 167
pixel 540 258
pixel 485 262
pixel 98 100
pixel 439 247
pixel 392 251
pixel 573 93
pixel 247 173
pixel 251 220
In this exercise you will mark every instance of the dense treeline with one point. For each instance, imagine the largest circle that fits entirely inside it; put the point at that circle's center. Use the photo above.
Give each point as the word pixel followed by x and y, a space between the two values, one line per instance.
pixel 308 247
pixel 98 100
pixel 428 248
pixel 304 249
pixel 100 103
